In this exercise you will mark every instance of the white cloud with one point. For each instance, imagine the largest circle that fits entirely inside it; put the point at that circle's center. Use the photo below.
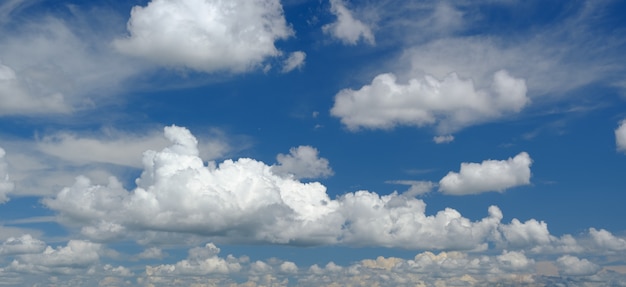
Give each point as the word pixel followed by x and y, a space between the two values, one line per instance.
pixel 152 253
pixel 106 147
pixel 244 201
pixel 573 266
pixel 606 241
pixel 514 261
pixel 620 136
pixel 295 61
pixel 490 175
pixel 76 255
pixel 347 29
pixel 527 234
pixel 22 245
pixel 443 139
pixel 201 261
pixel 449 104
pixel 6 184
pixel 302 162
pixel 416 187
pixel 48 67
pixel 206 35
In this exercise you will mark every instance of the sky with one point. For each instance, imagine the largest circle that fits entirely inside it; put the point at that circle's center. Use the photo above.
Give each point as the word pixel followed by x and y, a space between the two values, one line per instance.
pixel 312 143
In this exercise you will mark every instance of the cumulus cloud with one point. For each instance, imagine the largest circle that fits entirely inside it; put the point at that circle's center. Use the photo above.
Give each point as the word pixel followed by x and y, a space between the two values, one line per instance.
pixel 449 104
pixel 295 61
pixel 75 256
pixel 245 201
pixel 573 266
pixel 416 187
pixel 604 240
pixel 490 175
pixel 302 162
pixel 347 29
pixel 6 185
pixel 205 35
pixel 620 136
pixel 22 245
pixel 201 261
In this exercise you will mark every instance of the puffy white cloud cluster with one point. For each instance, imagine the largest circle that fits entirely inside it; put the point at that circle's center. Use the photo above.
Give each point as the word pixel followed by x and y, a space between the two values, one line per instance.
pixel 201 261
pixel 490 175
pixel 247 201
pixel 347 29
pixel 449 104
pixel 206 35
pixel 573 266
pixel 23 244
pixel 6 185
pixel 620 136
pixel 302 162
pixel 77 255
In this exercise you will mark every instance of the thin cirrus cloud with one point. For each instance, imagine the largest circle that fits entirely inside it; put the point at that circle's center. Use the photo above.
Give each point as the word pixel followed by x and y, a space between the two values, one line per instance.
pixel 490 175
pixel 449 104
pixel 346 28
pixel 206 36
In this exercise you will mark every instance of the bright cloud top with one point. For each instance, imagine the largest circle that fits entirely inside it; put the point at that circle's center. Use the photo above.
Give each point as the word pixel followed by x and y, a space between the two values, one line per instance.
pixel 449 104
pixel 245 201
pixel 347 29
pixel 620 136
pixel 490 175
pixel 206 35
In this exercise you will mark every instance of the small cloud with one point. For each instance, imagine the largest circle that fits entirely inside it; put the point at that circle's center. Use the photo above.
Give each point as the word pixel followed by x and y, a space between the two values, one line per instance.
pixel 620 136
pixel 490 175
pixel 295 61
pixel 347 29
pixel 443 139
pixel 302 162
pixel 416 187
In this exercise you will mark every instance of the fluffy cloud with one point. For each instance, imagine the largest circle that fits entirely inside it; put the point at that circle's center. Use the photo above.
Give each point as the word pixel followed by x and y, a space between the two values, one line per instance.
pixel 490 175
pixel 22 245
pixel 295 61
pixel 302 162
pixel 245 201
pixel 105 148
pixel 573 266
pixel 604 240
pixel 206 35
pixel 620 136
pixel 6 185
pixel 449 104
pixel 347 29
pixel 443 139
pixel 75 256
pixel 201 261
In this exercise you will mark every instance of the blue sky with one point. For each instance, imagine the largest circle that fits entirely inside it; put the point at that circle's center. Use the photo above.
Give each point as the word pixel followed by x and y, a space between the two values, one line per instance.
pixel 312 143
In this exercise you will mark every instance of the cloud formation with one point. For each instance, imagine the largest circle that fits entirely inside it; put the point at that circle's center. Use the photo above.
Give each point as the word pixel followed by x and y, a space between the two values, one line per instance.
pixel 206 35
pixel 6 185
pixel 490 175
pixel 302 162
pixel 347 29
pixel 295 61
pixel 449 104
pixel 620 136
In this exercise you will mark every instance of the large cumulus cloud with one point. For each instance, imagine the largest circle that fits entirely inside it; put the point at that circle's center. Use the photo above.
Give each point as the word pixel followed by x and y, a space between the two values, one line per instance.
pixel 205 35
pixel 245 200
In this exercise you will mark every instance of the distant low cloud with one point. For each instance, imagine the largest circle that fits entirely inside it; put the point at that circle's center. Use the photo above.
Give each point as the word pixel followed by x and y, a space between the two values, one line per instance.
pixel 490 175
pixel 302 162
pixel 620 136
pixel 347 29
pixel 449 104
pixel 573 266
pixel 206 36
pixel 6 184
pixel 443 139
pixel 295 61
